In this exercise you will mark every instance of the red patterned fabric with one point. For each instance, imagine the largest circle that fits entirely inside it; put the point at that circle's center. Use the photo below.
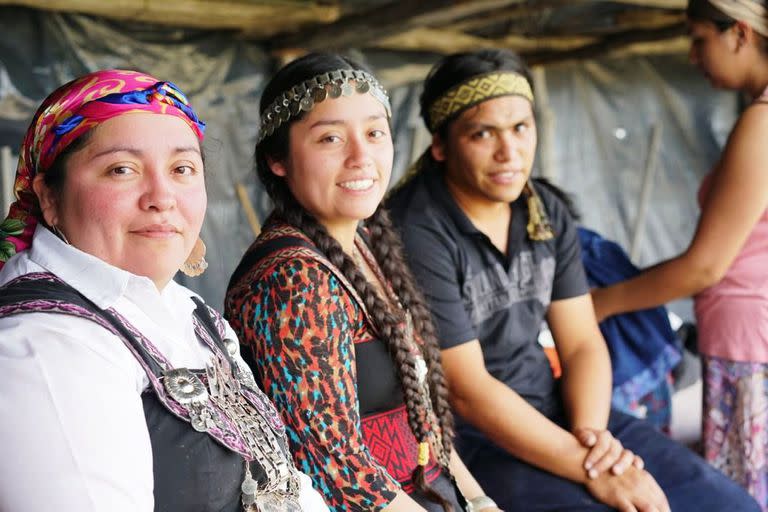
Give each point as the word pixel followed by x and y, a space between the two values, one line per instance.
pixel 305 328
pixel 391 442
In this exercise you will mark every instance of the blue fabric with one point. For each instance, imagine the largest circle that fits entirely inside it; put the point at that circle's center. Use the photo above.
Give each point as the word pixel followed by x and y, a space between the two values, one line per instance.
pixel 168 90
pixel 689 483
pixel 642 344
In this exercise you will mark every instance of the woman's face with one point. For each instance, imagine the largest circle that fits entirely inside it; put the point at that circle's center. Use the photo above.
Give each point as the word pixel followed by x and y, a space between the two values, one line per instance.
pixel 134 195
pixel 712 51
pixel 340 160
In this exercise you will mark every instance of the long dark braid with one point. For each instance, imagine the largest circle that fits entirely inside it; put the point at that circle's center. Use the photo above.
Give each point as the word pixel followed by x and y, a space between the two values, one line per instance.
pixel 389 252
pixel 387 319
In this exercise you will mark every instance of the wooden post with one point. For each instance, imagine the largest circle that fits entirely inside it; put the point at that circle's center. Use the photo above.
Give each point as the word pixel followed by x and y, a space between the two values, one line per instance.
pixel 250 213
pixel 645 193
pixel 545 121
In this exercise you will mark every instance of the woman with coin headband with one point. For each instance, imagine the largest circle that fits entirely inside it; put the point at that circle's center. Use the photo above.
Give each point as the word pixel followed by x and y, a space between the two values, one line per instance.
pixel 724 265
pixel 121 389
pixel 337 334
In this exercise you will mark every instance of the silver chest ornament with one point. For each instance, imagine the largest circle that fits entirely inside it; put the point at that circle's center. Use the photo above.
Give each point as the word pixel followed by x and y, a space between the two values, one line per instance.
pixel 280 491
pixel 187 389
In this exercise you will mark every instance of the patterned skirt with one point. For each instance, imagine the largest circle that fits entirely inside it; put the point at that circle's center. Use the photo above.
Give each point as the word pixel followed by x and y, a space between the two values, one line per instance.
pixel 736 422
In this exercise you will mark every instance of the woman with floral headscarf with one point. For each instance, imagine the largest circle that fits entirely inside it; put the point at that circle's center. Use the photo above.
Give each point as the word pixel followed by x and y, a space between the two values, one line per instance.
pixel 121 390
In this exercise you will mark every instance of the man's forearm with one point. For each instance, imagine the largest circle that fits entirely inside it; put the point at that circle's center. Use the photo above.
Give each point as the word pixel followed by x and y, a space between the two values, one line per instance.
pixel 512 423
pixel 586 388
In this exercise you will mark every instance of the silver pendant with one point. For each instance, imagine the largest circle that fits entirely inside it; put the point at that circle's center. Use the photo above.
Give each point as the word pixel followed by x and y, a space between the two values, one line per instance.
pixel 232 346
pixel 198 424
pixel 248 500
pixel 421 370
pixel 184 386
pixel 202 418
pixel 249 486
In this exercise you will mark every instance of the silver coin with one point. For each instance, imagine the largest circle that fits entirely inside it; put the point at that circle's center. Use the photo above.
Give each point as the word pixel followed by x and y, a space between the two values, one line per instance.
pixel 319 94
pixel 307 103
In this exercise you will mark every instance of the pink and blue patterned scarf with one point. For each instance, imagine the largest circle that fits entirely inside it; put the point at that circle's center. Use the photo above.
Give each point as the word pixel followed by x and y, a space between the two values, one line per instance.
pixel 66 114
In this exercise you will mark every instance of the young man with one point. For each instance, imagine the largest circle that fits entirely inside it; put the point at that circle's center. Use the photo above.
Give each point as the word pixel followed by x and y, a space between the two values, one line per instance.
pixel 497 255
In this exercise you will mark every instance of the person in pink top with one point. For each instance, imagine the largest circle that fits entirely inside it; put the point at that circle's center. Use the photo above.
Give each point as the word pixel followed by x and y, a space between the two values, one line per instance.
pixel 726 264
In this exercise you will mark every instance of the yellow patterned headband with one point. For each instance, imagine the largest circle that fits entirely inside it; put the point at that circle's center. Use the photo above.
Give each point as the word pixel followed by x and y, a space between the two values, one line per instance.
pixel 477 90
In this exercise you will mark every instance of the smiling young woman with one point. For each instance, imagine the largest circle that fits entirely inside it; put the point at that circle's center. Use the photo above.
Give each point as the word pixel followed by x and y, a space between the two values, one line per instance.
pixel 327 310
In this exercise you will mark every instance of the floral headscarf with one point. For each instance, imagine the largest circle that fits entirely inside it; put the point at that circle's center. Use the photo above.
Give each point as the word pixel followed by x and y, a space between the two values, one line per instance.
pixel 66 114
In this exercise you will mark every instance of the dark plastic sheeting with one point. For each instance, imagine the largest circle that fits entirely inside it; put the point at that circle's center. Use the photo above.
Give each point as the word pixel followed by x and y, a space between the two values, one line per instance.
pixel 597 123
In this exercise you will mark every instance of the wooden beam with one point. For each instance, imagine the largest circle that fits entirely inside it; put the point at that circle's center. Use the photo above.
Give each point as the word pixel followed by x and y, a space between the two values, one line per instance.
pixel 263 18
pixel 536 51
pixel 359 29
pixel 648 18
pixel 676 45
pixel 665 4
pixel 449 41
pixel 608 44
pixel 530 9
pixel 643 25
pixel 415 73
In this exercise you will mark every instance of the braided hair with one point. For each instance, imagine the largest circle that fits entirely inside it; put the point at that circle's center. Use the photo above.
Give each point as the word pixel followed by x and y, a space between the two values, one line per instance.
pixel 387 249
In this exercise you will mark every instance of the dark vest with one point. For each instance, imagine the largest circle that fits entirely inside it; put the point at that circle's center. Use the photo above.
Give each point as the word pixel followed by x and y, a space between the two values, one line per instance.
pixel 193 471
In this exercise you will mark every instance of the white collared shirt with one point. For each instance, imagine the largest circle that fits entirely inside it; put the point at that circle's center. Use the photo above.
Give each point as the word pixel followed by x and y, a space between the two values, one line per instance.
pixel 73 435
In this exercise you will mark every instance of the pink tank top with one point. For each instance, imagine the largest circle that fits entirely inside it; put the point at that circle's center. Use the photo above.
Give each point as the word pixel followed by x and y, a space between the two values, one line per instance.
pixel 732 315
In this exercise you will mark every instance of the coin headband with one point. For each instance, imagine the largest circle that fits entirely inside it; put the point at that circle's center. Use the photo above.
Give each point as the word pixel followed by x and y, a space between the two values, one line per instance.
pixel 476 90
pixel 303 97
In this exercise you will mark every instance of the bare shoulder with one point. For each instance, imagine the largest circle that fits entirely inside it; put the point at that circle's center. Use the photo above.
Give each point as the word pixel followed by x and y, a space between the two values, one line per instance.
pixel 746 152
pixel 751 129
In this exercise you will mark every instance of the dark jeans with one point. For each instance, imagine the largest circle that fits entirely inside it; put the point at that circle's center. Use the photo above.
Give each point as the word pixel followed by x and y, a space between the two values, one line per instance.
pixel 689 483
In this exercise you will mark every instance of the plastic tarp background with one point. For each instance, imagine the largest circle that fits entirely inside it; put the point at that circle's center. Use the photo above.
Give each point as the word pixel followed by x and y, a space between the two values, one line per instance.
pixel 595 124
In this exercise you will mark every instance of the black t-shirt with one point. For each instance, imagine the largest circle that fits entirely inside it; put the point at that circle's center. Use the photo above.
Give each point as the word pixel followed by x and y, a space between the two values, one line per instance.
pixel 476 292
